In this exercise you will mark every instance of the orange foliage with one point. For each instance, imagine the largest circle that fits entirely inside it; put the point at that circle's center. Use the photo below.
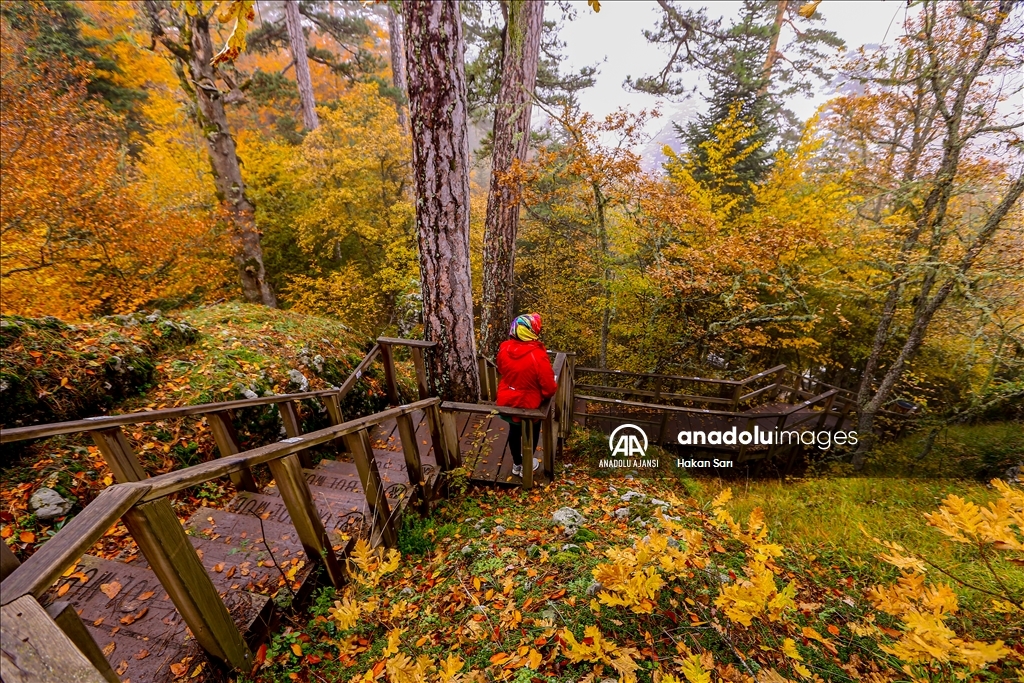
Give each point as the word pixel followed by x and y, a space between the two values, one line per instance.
pixel 77 239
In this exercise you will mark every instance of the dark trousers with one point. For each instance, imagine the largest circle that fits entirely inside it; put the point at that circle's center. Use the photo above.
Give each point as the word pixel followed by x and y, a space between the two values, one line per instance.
pixel 515 440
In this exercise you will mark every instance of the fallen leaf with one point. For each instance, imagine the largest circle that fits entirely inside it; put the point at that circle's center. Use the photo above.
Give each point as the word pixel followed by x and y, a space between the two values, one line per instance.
pixel 297 649
pixel 27 537
pixel 111 589
pixel 178 669
pixel 109 649
pixel 142 654
pixel 63 589
pixel 122 667
pixel 498 658
pixel 146 596
pixel 833 629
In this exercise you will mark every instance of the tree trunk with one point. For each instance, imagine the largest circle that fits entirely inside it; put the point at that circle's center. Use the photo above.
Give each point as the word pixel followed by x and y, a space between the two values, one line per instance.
pixel 297 41
pixel 521 52
pixel 773 47
pixel 397 44
pixel 437 113
pixel 227 173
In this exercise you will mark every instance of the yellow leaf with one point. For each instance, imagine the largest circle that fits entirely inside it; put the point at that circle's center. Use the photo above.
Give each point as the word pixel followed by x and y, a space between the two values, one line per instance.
pixel 297 649
pixel 789 649
pixel 394 640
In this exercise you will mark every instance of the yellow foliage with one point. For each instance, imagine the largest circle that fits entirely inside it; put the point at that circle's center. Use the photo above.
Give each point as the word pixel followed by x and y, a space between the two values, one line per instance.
pixel 1000 524
pixel 369 565
pixel 601 651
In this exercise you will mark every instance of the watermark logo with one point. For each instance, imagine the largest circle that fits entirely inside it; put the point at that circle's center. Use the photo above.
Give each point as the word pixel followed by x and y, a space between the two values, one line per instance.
pixel 627 443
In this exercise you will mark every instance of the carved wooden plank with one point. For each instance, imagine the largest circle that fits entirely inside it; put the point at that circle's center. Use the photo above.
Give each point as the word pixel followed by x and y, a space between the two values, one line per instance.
pixel 380 513
pixel 224 434
pixel 170 554
pixel 46 565
pixel 413 466
pixel 291 482
pixel 118 453
pixel 33 649
pixel 64 614
pixel 450 441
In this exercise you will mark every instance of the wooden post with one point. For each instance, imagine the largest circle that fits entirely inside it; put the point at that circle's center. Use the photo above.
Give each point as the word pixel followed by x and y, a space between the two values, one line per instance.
pixel 118 453
pixel 422 383
pixel 413 466
pixel 162 540
pixel 743 446
pixel 391 383
pixel 824 415
pixel 548 443
pixel 433 416
pixel 657 389
pixel 362 452
pixel 224 434
pixel 33 649
pixel 450 441
pixel 737 392
pixel 8 561
pixel 298 499
pixel 293 428
pixel 333 404
pixel 64 614
pixel 485 379
pixel 527 453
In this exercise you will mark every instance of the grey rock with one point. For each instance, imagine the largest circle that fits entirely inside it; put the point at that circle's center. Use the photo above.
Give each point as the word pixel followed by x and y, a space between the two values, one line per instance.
pixel 499 529
pixel 660 503
pixel 298 380
pixel 249 393
pixel 639 522
pixel 629 477
pixel 622 513
pixel 568 517
pixel 567 547
pixel 318 363
pixel 479 609
pixel 673 543
pixel 594 588
pixel 48 504
pixel 632 495
pixel 466 550
pixel 408 591
pixel 153 317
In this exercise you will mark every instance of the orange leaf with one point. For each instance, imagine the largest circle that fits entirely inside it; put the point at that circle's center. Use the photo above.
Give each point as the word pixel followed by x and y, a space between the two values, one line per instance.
pixel 498 658
pixel 27 537
pixel 179 669
pixel 833 629
pixel 63 589
pixel 296 649
pixel 111 589
pixel 145 596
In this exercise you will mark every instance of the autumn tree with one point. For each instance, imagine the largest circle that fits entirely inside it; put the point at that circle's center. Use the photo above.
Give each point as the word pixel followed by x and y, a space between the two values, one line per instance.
pixel 396 45
pixel 931 145
pixel 80 237
pixel 438 122
pixel 510 141
pixel 185 32
pixel 747 64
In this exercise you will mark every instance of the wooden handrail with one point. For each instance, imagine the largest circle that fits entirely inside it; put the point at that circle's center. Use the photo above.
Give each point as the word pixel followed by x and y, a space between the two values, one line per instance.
pixel 763 373
pixel 626 373
pixel 413 343
pixel 46 565
pixel 704 411
pixel 165 484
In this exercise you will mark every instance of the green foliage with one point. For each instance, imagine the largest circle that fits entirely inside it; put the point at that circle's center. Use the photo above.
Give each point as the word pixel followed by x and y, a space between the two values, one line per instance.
pixel 416 535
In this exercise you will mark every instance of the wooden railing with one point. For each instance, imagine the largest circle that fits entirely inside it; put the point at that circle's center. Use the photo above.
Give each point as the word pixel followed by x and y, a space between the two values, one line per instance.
pixel 144 508
pixel 554 414
pixel 141 501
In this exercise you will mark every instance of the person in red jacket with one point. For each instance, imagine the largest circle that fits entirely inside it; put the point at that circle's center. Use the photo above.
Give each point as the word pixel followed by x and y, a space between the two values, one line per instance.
pixel 526 381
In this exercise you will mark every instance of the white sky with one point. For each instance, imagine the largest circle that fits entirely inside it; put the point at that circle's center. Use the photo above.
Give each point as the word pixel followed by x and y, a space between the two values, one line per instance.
pixel 613 39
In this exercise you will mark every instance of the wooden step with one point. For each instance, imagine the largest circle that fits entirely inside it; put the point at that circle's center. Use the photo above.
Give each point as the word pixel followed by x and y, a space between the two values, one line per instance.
pixel 139 629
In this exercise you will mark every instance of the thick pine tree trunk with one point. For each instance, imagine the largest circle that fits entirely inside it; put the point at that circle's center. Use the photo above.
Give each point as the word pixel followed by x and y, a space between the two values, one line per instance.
pixel 437 114
pixel 227 174
pixel 397 45
pixel 521 51
pixel 297 42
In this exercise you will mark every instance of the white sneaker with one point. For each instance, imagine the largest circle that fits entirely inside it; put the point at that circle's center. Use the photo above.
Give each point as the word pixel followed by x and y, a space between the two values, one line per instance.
pixel 517 470
pixel 536 464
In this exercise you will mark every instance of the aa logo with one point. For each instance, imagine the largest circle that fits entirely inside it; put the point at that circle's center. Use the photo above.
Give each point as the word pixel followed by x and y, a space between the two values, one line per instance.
pixel 625 441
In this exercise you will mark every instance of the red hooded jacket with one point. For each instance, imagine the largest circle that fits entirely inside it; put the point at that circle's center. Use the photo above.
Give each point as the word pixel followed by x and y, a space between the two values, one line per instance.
pixel 526 375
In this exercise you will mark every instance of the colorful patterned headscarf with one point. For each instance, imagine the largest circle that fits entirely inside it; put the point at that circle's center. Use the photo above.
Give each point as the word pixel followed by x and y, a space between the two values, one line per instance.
pixel 526 327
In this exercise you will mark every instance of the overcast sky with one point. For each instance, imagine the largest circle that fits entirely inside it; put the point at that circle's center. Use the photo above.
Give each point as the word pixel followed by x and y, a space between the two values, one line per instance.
pixel 613 39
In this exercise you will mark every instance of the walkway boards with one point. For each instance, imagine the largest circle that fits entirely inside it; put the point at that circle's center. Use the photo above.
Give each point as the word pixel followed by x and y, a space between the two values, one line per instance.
pixel 249 549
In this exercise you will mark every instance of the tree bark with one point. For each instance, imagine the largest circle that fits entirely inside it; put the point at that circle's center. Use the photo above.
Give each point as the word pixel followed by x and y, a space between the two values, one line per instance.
pixel 511 138
pixel 773 47
pixel 438 118
pixel 398 79
pixel 297 42
pixel 227 173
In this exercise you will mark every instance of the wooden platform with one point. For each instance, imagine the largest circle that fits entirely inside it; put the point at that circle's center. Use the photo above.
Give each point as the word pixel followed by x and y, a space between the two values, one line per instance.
pixel 483 442
pixel 246 548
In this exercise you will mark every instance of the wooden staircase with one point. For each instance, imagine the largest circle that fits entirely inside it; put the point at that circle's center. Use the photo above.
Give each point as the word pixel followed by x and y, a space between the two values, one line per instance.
pixel 250 550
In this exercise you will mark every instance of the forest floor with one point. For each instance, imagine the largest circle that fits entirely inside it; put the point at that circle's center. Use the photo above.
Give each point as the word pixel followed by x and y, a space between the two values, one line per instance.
pixel 490 578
